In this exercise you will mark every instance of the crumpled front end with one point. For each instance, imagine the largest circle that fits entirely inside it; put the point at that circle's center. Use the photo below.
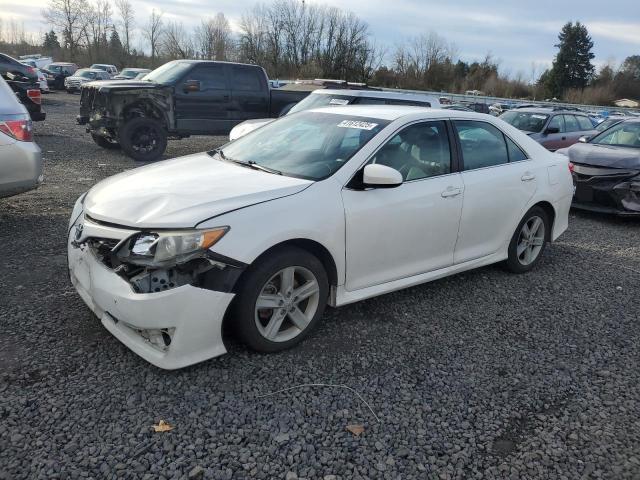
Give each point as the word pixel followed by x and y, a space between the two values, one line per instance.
pixel 607 190
pixel 171 319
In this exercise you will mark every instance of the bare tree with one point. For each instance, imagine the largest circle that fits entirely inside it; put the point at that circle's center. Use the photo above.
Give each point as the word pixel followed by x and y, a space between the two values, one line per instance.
pixel 69 16
pixel 177 44
pixel 126 22
pixel 153 32
pixel 214 38
pixel 98 23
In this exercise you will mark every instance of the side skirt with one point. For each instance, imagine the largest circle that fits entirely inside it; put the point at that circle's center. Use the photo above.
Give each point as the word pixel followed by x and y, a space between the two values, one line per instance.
pixel 341 296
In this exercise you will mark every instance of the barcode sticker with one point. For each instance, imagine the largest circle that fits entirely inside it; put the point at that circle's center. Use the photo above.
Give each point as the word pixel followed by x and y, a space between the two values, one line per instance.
pixel 357 124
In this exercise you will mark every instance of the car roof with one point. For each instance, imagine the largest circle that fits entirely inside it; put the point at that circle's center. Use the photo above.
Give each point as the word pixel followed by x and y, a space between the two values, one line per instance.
pixel 103 64
pixel 394 112
pixel 549 110
pixel 418 97
pixel 95 70
pixel 9 104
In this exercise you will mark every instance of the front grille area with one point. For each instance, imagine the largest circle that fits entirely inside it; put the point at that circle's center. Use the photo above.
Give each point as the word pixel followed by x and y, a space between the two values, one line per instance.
pixel 601 185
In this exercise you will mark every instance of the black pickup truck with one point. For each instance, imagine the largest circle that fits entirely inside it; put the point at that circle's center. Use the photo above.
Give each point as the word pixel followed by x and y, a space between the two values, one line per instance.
pixel 178 99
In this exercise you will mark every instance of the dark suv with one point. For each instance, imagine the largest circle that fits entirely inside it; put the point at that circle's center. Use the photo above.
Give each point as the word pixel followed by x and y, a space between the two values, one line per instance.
pixel 57 72
pixel 553 128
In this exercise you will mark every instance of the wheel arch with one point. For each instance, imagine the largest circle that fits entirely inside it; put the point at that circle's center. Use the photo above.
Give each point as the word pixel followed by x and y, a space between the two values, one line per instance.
pixel 144 108
pixel 551 213
pixel 313 247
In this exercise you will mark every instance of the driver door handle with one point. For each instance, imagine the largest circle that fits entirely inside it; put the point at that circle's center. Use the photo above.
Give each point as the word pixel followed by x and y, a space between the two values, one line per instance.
pixel 527 177
pixel 451 192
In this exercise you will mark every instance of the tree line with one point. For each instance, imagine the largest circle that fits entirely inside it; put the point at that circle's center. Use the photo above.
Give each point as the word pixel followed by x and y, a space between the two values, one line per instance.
pixel 294 39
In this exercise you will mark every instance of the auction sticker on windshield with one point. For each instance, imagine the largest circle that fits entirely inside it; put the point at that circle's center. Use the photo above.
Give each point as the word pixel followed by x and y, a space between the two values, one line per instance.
pixel 339 101
pixel 357 124
pixel 540 117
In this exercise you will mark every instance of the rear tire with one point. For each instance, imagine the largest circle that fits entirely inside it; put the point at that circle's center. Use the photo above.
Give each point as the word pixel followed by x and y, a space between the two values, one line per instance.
pixel 143 139
pixel 105 142
pixel 529 241
pixel 292 286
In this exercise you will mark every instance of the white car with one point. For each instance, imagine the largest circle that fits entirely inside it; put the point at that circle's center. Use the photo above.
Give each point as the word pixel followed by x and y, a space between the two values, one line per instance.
pixel 341 97
pixel 330 205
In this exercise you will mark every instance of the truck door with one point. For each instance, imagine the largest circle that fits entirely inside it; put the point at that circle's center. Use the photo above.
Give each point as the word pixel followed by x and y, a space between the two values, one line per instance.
pixel 249 93
pixel 203 101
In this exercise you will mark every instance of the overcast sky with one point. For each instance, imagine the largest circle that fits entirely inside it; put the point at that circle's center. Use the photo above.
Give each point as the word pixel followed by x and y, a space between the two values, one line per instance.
pixel 516 33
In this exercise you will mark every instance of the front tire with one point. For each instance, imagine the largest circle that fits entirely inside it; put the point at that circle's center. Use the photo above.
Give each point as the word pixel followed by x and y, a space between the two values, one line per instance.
pixel 105 142
pixel 529 241
pixel 280 300
pixel 143 139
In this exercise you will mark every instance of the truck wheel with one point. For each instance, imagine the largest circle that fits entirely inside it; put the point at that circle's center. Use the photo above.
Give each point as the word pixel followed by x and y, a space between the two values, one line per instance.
pixel 143 139
pixel 105 142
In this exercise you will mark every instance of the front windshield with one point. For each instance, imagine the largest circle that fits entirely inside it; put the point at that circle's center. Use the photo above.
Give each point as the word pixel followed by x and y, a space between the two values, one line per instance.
pixel 525 121
pixel 169 72
pixel 129 73
pixel 320 100
pixel 625 134
pixel 309 145
pixel 85 74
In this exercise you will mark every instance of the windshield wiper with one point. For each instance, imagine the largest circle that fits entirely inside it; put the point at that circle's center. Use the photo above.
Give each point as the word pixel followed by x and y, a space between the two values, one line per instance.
pixel 249 164
pixel 257 166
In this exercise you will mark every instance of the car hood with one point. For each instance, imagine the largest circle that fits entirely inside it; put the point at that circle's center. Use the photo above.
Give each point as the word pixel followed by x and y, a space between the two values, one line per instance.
pixel 126 85
pixel 183 192
pixel 604 155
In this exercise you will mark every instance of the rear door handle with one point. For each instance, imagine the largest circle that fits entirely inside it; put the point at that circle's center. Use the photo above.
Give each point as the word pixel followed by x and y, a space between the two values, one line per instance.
pixel 527 177
pixel 451 191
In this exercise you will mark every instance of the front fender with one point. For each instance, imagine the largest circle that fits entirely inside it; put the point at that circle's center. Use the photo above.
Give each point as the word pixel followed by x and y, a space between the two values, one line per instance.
pixel 315 214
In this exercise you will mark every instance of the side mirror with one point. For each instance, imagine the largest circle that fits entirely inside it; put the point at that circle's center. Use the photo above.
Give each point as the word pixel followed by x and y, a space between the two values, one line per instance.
pixel 584 139
pixel 381 176
pixel 191 86
pixel 552 130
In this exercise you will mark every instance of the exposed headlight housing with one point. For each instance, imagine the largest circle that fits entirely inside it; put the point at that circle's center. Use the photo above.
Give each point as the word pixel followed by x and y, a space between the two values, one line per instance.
pixel 169 248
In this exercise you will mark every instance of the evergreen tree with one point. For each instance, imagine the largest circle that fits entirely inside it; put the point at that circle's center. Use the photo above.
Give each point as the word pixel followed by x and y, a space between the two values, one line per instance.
pixel 572 67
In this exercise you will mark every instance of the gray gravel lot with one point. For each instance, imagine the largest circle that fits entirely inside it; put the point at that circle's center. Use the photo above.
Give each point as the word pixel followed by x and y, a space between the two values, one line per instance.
pixel 481 375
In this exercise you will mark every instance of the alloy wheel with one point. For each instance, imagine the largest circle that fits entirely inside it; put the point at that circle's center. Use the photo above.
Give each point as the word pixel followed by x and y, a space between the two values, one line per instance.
pixel 531 240
pixel 287 304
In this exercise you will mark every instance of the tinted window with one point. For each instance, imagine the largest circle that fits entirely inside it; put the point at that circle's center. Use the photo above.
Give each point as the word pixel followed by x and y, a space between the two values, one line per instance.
pixel 584 122
pixel 557 122
pixel 571 124
pixel 482 144
pixel 246 79
pixel 515 152
pixel 418 151
pixel 211 77
pixel 526 121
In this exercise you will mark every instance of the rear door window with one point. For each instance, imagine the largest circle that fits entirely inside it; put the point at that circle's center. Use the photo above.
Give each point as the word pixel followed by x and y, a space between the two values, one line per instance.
pixel 246 79
pixel 584 122
pixel 571 124
pixel 483 145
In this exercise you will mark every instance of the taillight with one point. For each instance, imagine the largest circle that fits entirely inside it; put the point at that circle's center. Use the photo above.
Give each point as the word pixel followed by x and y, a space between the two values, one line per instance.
pixel 35 96
pixel 20 129
pixel 570 167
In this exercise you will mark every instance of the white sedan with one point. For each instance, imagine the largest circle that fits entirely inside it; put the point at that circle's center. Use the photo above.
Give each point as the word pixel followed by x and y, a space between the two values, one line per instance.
pixel 327 206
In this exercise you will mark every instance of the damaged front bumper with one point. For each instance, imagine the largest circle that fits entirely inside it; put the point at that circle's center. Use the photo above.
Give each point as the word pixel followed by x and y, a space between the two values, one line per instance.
pixel 607 190
pixel 171 328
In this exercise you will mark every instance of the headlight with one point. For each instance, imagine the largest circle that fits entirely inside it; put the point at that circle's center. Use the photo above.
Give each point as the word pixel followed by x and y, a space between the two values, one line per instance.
pixel 167 248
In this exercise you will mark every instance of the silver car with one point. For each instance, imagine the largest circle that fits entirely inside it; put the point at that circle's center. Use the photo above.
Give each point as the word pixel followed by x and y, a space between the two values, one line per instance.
pixel 20 157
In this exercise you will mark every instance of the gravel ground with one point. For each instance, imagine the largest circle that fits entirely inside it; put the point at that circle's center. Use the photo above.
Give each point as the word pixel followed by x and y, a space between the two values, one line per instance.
pixel 481 375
